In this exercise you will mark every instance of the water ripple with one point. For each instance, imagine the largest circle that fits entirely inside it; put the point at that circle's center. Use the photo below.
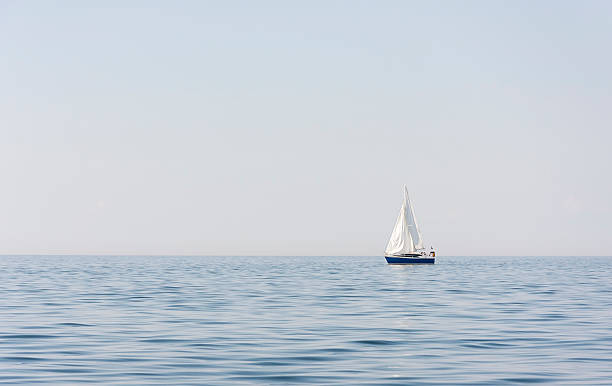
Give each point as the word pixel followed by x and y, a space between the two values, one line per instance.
pixel 290 320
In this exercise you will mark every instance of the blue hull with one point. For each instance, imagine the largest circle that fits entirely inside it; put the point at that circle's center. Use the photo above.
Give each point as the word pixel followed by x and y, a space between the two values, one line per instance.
pixel 410 260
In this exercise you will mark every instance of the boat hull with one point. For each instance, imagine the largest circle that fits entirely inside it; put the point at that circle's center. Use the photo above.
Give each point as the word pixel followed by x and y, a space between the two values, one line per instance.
pixel 410 260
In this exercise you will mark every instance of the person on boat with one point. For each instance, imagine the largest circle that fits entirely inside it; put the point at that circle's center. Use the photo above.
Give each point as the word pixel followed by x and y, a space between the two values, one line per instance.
pixel 431 251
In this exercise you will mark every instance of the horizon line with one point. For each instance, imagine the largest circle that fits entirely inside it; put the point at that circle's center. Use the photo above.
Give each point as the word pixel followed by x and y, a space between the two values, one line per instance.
pixel 259 255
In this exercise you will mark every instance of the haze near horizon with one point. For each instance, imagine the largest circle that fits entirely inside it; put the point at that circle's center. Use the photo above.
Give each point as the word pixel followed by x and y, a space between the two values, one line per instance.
pixel 276 128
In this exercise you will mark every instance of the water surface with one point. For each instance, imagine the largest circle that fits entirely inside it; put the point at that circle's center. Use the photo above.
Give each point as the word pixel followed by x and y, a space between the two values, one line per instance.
pixel 288 320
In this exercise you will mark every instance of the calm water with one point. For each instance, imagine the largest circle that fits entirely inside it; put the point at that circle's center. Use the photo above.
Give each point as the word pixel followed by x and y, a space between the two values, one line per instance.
pixel 287 320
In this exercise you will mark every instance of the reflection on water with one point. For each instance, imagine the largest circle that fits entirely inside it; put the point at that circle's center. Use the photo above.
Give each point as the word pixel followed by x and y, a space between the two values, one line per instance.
pixel 305 319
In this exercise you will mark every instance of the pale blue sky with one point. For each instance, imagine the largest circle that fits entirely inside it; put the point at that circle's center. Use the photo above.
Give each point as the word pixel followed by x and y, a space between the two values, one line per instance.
pixel 195 127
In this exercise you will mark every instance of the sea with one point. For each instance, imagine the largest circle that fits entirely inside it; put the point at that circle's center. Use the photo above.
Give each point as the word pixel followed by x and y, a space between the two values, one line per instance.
pixel 305 320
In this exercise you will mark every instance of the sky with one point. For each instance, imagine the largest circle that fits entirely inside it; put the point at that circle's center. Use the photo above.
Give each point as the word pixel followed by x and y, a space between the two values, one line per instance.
pixel 289 128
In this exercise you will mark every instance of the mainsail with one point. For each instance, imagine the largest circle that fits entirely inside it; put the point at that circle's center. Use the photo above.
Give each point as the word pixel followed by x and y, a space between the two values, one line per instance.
pixel 406 237
pixel 413 227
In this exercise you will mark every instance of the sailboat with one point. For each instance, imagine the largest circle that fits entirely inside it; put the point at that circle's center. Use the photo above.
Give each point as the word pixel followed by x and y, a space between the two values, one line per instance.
pixel 406 243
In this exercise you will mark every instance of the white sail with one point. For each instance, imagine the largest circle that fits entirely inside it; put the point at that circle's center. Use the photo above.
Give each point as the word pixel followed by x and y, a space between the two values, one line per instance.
pixel 413 227
pixel 401 238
